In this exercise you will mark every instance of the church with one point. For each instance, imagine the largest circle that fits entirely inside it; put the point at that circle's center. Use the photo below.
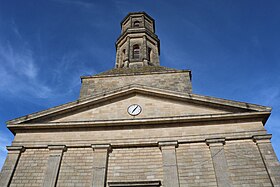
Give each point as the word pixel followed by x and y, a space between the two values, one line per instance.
pixel 140 125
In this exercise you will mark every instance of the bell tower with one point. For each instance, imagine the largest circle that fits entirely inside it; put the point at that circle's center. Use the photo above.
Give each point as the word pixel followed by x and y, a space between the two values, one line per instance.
pixel 138 45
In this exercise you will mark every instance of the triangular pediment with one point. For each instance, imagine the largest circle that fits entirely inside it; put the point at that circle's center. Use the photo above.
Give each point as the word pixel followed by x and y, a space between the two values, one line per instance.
pixel 150 106
pixel 155 104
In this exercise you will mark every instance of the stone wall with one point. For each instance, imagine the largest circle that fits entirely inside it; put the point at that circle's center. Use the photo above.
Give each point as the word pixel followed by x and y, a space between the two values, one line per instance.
pixel 135 164
pixel 194 162
pixel 185 154
pixel 245 164
pixel 76 167
pixel 195 165
pixel 174 81
pixel 31 168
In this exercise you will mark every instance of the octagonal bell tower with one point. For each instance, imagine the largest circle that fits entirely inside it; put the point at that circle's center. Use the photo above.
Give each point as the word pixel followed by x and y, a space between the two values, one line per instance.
pixel 138 45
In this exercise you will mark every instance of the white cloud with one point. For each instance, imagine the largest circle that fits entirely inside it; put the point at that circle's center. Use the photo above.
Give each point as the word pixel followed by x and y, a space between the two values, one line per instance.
pixel 19 61
pixel 18 70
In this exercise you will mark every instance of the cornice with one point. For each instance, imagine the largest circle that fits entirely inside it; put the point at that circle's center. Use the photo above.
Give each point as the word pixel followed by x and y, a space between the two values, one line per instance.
pixel 166 121
pixel 136 31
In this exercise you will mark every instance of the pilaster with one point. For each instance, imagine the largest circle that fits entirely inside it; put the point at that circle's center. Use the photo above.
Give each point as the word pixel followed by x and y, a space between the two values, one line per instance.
pixel 216 147
pixel 10 164
pixel 53 166
pixel 169 160
pixel 127 53
pixel 118 62
pixel 144 51
pixel 269 158
pixel 144 23
pixel 100 164
pixel 156 55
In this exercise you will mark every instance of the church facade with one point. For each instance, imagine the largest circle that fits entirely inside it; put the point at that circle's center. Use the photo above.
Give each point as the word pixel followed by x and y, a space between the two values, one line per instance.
pixel 139 124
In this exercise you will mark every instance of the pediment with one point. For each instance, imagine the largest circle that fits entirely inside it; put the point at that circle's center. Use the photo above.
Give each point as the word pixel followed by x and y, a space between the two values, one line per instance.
pixel 151 107
pixel 155 104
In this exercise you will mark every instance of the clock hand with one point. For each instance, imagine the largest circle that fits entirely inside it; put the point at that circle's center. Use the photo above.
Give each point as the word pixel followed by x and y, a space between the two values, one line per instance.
pixel 134 109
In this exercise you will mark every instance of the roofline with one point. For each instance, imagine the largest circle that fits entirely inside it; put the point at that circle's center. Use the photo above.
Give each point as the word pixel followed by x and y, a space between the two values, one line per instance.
pixel 140 89
pixel 137 73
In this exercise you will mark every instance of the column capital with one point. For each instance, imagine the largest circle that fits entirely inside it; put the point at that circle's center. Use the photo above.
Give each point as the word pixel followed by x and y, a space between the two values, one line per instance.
pixel 57 147
pixel 168 143
pixel 101 146
pixel 18 149
pixel 264 138
pixel 215 141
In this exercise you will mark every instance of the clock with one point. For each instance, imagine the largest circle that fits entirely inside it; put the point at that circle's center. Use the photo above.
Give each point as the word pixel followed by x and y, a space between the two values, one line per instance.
pixel 134 109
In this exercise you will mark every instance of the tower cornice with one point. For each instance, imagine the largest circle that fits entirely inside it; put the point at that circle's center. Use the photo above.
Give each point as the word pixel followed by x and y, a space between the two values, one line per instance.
pixel 136 13
pixel 134 31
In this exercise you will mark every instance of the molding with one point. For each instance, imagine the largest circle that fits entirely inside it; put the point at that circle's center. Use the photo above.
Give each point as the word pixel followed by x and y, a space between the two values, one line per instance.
pixel 264 138
pixel 101 146
pixel 15 148
pixel 57 147
pixel 131 31
pixel 215 141
pixel 142 121
pixel 135 184
pixel 135 74
pixel 144 142
pixel 168 143
pixel 129 144
pixel 131 14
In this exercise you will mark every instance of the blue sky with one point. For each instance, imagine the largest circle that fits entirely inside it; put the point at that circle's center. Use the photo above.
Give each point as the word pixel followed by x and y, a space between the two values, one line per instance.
pixel 231 46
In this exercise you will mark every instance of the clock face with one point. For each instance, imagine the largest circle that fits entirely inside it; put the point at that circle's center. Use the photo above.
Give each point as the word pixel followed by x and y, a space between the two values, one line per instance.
pixel 134 109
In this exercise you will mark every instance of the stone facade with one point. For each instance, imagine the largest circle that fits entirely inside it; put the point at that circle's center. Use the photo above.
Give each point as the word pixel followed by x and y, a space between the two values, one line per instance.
pixel 178 138
pixel 173 80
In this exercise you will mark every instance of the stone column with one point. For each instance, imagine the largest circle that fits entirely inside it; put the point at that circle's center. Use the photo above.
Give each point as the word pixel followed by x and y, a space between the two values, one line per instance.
pixel 143 19
pixel 169 160
pixel 144 51
pixel 130 19
pixel 216 147
pixel 269 158
pixel 100 164
pixel 156 55
pixel 54 161
pixel 10 164
pixel 127 53
pixel 118 58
